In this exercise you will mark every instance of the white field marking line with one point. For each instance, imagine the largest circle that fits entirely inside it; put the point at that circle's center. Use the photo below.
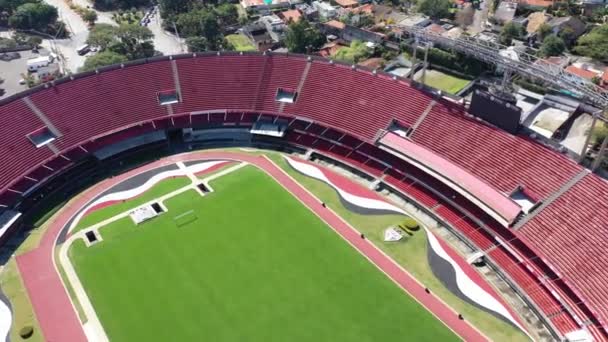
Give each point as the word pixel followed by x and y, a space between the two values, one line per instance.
pixel 187 171
pixel 377 249
pixel 224 172
pixel 84 301
pixel 93 323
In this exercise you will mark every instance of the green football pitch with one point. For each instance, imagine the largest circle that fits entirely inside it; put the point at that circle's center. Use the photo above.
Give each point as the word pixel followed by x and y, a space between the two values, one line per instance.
pixel 255 265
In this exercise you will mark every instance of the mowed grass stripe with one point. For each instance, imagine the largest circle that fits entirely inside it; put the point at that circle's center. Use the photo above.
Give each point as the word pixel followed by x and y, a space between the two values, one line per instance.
pixel 256 266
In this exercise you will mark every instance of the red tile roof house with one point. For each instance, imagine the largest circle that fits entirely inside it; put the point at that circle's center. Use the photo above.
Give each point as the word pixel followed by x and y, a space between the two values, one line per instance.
pixel 586 74
pixel 290 16
pixel 346 3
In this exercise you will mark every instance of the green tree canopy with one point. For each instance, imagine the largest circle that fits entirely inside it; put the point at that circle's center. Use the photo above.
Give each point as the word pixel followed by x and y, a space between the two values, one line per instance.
pixel 101 36
pixel 594 44
pixel 197 44
pixel 172 7
pixel 120 4
pixel 36 15
pixel 356 52
pixel 301 35
pixel 130 40
pixel 511 31
pixel 102 59
pixel 201 23
pixel 435 9
pixel 10 6
pixel 552 46
pixel 227 13
pixel 544 31
pixel 89 16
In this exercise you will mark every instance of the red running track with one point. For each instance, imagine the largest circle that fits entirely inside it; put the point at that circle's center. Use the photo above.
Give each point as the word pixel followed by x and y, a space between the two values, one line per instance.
pixel 59 321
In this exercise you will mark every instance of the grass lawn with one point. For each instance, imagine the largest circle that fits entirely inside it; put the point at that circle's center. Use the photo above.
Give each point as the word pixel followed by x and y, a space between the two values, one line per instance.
pixel 256 266
pixel 163 187
pixel 240 42
pixel 410 253
pixel 12 287
pixel 443 81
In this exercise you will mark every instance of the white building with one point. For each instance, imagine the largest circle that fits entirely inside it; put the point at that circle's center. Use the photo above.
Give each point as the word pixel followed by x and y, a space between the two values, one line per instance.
pixel 325 9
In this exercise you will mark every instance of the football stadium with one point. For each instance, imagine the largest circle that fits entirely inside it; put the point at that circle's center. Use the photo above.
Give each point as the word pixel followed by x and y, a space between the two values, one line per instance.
pixel 282 197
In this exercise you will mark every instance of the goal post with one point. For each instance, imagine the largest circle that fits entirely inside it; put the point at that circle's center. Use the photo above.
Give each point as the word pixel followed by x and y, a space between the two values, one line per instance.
pixel 185 218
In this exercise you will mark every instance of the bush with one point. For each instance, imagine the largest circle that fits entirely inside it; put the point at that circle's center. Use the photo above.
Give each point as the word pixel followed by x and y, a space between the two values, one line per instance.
pixel 411 224
pixel 26 332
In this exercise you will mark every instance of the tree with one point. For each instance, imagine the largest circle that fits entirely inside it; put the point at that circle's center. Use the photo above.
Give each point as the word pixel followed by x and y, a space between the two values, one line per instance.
pixel 101 36
pixel 135 41
pixel 197 44
pixel 552 46
pixel 102 59
pixel 357 51
pixel 173 7
pixel 594 44
pixel 301 35
pixel 90 17
pixel 568 35
pixel 108 5
pixel 435 9
pixel 465 16
pixel 34 41
pixel 510 31
pixel 543 31
pixel 130 40
pixel 10 6
pixel 36 16
pixel 227 13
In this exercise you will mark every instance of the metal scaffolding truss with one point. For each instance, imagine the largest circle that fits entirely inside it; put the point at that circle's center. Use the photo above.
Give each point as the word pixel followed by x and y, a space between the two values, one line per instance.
pixel 512 61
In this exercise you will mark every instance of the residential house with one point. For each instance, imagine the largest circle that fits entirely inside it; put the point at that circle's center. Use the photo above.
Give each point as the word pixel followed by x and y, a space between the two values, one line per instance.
pixel 259 36
pixel 505 12
pixel 583 73
pixel 346 3
pixel 308 11
pixel 380 13
pixel 535 21
pixel 538 3
pixel 333 27
pixel 416 20
pixel 274 26
pixel 575 25
pixel 325 9
pixel 292 15
pixel 265 6
pixel 559 61
pixel 436 29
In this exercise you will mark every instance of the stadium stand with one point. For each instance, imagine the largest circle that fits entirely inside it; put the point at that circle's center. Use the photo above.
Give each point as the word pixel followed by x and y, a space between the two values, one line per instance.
pixel 101 103
pixel 572 232
pixel 556 260
pixel 501 159
pixel 19 121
